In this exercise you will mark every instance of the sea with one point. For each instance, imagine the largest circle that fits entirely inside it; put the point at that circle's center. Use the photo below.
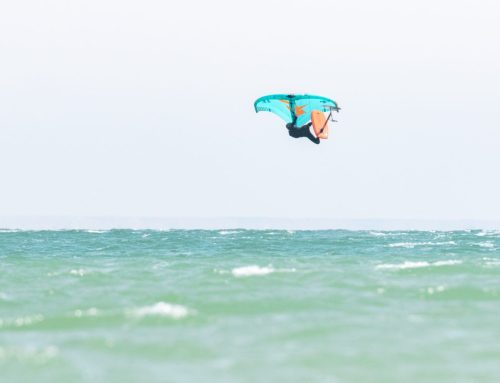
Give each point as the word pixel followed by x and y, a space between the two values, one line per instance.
pixel 249 306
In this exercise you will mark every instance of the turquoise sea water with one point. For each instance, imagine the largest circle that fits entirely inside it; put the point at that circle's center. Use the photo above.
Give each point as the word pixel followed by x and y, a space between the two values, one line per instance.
pixel 249 306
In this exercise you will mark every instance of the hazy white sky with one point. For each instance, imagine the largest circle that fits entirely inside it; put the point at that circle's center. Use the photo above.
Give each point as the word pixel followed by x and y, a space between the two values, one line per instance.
pixel 145 108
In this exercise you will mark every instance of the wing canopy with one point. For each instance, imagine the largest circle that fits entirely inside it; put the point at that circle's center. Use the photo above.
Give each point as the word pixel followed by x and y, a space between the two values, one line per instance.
pixel 286 106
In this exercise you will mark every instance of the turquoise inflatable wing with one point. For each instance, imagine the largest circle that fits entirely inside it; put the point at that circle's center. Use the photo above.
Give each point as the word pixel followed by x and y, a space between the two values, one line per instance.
pixel 286 106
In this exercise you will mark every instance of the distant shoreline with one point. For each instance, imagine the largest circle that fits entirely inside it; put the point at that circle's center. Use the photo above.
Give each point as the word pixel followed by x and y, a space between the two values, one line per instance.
pixel 258 223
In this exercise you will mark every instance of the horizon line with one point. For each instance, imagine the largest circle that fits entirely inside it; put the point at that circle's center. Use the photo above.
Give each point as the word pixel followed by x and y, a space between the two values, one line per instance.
pixel 44 222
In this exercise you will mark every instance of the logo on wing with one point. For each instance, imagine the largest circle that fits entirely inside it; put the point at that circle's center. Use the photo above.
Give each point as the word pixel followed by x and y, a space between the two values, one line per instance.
pixel 299 109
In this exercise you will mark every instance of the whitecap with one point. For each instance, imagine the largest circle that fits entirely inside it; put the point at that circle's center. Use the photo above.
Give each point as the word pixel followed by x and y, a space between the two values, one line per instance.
pixel 408 245
pixel 79 272
pixel 490 259
pixel 411 245
pixel 492 262
pixel 433 290
pixel 247 271
pixel 486 244
pixel 450 262
pixel 484 233
pixel 22 321
pixel 254 270
pixel 417 264
pixel 96 231
pixel 162 309
pixel 91 312
pixel 378 234
pixel 228 232
pixel 402 266
pixel 218 271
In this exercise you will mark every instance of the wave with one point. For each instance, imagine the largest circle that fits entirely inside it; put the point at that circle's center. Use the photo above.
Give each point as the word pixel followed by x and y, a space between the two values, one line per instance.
pixel 450 262
pixel 378 234
pixel 491 262
pixel 248 271
pixel 22 321
pixel 437 289
pixel 79 272
pixel 416 265
pixel 162 309
pixel 411 245
pixel 91 312
pixel 229 232
pixel 484 233
pixel 254 270
pixel 486 244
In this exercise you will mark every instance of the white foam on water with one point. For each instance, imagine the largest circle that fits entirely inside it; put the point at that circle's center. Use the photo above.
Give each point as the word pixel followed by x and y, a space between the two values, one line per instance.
pixel 449 262
pixel 492 262
pixel 433 290
pixel 402 266
pixel 28 320
pixel 254 270
pixel 96 231
pixel 416 265
pixel 248 271
pixel 484 233
pixel 228 232
pixel 79 272
pixel 145 235
pixel 163 309
pixel 22 321
pixel 378 234
pixel 91 312
pixel 486 244
pixel 408 245
pixel 411 245
pixel 490 259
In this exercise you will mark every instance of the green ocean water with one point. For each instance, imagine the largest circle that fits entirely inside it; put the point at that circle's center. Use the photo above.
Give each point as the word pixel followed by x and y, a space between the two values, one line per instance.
pixel 249 306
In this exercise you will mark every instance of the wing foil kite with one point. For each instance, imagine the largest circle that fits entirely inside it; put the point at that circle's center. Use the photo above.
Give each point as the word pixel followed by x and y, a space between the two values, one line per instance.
pixel 286 106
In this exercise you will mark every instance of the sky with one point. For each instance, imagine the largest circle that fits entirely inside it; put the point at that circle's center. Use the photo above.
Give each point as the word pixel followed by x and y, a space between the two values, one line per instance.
pixel 145 108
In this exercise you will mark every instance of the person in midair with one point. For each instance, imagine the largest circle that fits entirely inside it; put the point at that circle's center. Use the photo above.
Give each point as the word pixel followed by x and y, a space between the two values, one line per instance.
pixel 302 131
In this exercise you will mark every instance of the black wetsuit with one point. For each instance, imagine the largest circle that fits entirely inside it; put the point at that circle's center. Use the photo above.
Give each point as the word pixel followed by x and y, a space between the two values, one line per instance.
pixel 303 131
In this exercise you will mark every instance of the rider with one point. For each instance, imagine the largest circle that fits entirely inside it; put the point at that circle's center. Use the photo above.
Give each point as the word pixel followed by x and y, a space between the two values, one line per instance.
pixel 303 131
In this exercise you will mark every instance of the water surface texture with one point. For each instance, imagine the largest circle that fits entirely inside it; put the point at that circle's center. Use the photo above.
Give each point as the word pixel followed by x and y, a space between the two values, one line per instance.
pixel 249 306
